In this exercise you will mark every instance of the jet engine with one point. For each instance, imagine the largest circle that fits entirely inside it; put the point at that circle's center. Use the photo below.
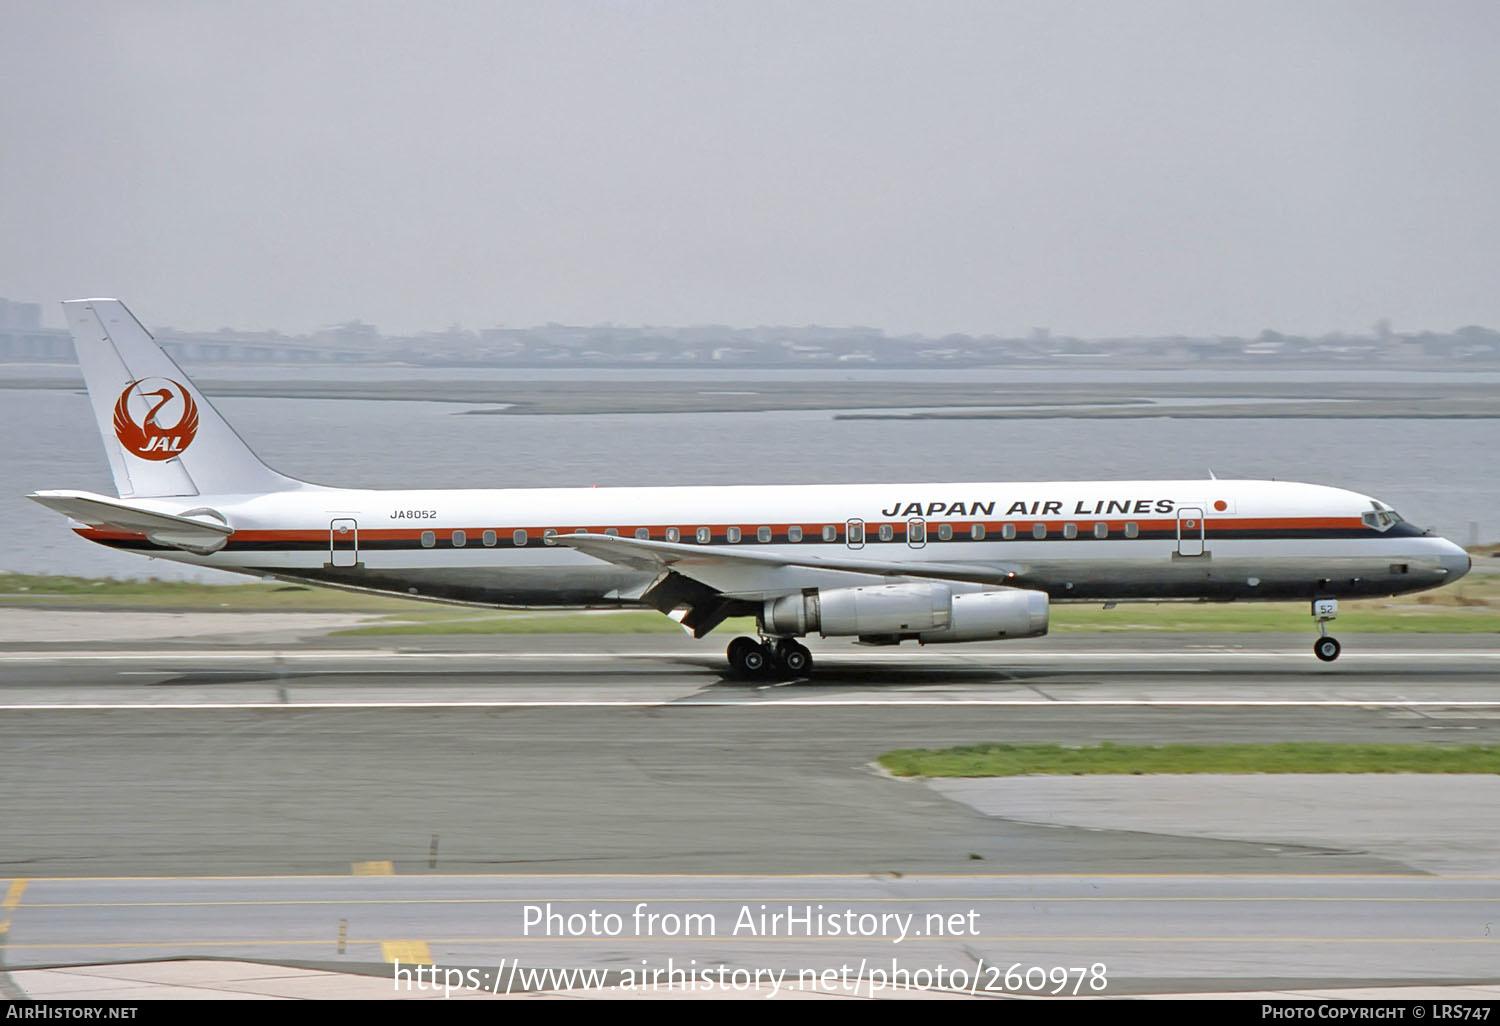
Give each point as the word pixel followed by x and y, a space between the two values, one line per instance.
pixel 931 612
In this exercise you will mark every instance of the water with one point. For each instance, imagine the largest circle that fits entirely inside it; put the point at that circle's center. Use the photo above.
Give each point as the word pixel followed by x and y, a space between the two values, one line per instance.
pixel 725 373
pixel 1439 473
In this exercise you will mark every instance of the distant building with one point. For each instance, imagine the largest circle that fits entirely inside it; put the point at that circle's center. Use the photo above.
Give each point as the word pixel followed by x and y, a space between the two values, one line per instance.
pixel 24 339
pixel 24 316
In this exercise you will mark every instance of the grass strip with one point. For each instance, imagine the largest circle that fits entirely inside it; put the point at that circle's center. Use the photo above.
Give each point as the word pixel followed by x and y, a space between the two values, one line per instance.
pixel 58 592
pixel 1472 606
pixel 1013 760
pixel 593 622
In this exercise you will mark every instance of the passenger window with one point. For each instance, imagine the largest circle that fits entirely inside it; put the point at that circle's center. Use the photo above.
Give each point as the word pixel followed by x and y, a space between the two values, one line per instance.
pixel 945 532
pixel 518 538
pixel 887 532
pixel 732 534
pixel 762 534
pixel 1101 530
pixel 642 533
pixel 1070 530
pixel 460 539
pixel 548 535
pixel 830 533
pixel 702 535
pixel 794 533
pixel 673 534
pixel 488 538
pixel 613 532
pixel 428 539
pixel 1039 530
pixel 1132 530
pixel 856 533
pixel 977 532
pixel 1008 531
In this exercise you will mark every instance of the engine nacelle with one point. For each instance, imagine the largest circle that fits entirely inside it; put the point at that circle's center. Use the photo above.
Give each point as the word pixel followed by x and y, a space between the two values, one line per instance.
pixel 991 616
pixel 879 609
pixel 928 611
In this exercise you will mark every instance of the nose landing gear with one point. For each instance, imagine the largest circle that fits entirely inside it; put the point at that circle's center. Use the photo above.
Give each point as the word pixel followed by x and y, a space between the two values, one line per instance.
pixel 1326 648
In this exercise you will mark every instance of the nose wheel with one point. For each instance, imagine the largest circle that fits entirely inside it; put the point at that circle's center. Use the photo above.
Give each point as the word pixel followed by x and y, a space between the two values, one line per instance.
pixel 1326 648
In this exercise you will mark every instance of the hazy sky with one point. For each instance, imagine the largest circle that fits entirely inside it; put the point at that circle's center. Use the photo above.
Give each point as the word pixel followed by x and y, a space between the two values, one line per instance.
pixel 1093 167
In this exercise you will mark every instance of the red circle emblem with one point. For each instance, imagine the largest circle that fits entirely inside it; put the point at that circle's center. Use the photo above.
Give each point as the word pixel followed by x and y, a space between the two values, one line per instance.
pixel 156 418
pixel 1220 505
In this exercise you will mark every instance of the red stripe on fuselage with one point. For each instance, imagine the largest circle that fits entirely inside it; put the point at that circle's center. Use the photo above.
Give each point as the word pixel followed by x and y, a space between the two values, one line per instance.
pixel 812 531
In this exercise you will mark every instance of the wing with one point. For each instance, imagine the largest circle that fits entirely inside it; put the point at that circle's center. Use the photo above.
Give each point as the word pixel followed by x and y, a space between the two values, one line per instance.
pixel 714 583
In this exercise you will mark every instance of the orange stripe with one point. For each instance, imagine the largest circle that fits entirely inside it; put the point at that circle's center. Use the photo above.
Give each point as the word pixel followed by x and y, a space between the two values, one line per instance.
pixel 1271 523
pixel 811 530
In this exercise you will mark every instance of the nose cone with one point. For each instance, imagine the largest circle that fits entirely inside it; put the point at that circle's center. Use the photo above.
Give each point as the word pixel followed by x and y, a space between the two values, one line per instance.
pixel 1455 560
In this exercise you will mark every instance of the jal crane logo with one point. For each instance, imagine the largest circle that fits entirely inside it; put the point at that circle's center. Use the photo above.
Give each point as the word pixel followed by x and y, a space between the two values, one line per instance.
pixel 168 423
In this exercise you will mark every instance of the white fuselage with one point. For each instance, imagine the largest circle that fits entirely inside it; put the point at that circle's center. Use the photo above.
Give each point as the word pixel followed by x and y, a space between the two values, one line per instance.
pixel 1105 540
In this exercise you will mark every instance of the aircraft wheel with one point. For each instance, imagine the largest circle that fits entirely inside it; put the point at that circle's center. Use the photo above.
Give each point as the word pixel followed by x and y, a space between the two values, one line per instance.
pixel 747 657
pixel 1327 649
pixel 795 657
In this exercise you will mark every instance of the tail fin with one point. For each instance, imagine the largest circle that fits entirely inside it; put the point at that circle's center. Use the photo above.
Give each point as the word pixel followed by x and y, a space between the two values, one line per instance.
pixel 162 436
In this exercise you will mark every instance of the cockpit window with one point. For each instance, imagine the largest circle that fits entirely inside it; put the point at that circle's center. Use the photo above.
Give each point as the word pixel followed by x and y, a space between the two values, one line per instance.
pixel 1381 519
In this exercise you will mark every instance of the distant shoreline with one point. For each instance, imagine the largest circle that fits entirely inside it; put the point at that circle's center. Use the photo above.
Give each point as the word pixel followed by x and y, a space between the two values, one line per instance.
pixel 885 400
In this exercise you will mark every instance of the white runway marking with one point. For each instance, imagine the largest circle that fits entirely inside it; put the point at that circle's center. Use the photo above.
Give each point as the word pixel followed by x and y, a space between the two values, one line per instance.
pixel 1420 682
pixel 854 701
pixel 1060 659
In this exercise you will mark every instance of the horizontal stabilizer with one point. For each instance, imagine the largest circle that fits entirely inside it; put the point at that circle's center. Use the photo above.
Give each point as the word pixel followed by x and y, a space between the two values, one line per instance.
pixel 200 531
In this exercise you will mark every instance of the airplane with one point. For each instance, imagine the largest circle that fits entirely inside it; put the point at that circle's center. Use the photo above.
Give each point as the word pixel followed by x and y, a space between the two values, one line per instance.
pixel 882 563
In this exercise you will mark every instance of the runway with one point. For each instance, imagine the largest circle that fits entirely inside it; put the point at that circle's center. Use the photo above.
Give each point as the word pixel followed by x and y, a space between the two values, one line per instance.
pixel 475 771
pixel 995 935
pixel 1439 672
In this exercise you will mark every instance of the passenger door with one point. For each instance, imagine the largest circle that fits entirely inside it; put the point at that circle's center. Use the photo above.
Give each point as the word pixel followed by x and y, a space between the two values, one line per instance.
pixel 1190 531
pixel 343 542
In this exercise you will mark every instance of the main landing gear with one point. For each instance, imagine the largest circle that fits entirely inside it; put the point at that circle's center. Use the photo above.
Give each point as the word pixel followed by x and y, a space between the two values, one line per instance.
pixel 753 659
pixel 1326 648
